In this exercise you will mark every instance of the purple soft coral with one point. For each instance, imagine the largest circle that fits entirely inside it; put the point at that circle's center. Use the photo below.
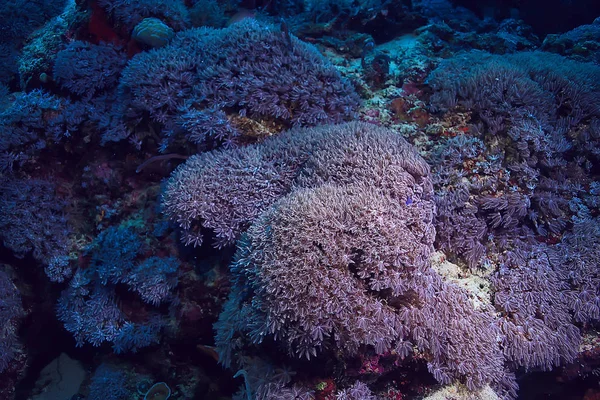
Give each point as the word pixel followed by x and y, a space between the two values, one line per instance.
pixel 85 69
pixel 231 69
pixel 341 262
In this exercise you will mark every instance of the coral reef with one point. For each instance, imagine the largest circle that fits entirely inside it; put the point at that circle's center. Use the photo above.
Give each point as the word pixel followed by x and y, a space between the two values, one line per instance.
pixel 33 122
pixel 86 69
pixel 503 179
pixel 130 13
pixel 357 220
pixel 21 18
pixel 229 69
pixel 34 220
pixel 255 199
pixel 581 43
pixel 109 383
pixel 11 310
pixel 89 306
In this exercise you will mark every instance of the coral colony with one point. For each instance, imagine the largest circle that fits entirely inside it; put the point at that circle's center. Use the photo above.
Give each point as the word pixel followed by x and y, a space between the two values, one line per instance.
pixel 299 199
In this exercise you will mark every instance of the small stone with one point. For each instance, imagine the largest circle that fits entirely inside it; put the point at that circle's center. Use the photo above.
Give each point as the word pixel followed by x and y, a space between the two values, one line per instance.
pixel 60 379
pixel 153 32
